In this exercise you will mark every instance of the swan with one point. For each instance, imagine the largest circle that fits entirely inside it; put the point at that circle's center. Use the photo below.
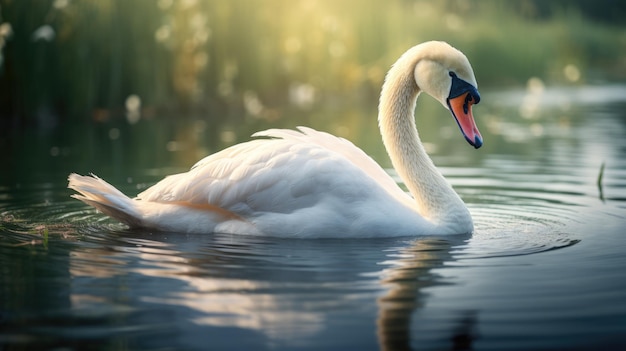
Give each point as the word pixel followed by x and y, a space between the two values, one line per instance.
pixel 309 184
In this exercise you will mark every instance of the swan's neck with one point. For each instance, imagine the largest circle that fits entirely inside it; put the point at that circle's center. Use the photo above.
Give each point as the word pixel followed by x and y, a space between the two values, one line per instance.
pixel 435 198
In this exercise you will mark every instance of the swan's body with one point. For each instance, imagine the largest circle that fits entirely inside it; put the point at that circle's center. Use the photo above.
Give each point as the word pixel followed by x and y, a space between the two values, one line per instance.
pixel 311 184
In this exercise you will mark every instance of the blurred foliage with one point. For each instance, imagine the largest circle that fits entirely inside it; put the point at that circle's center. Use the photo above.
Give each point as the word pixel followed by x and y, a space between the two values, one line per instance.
pixel 66 61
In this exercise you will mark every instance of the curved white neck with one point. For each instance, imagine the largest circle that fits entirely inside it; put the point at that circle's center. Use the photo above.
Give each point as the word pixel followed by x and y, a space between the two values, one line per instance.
pixel 435 198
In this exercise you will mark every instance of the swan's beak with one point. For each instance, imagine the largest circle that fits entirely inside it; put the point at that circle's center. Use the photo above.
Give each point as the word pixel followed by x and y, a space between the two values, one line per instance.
pixel 461 108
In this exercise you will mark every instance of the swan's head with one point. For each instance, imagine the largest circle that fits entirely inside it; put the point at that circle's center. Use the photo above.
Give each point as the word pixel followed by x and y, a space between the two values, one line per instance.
pixel 445 73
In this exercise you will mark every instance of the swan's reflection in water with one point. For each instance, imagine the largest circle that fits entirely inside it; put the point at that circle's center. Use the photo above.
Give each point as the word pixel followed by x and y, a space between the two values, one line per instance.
pixel 410 273
pixel 289 293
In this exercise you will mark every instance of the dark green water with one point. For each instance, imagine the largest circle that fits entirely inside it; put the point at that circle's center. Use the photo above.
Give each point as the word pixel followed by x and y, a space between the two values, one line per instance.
pixel 544 269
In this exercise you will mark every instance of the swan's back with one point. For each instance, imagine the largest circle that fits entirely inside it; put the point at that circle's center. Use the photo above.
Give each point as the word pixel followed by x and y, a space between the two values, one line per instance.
pixel 300 183
pixel 247 168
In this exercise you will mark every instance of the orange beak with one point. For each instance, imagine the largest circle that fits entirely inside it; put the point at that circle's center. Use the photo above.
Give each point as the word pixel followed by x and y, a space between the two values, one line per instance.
pixel 461 108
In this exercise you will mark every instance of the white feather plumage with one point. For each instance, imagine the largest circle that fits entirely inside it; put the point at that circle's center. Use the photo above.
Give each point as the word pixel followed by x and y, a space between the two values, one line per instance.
pixel 301 183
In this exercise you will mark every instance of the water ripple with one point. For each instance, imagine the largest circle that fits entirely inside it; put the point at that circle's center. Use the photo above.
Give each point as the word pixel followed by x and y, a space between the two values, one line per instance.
pixel 520 211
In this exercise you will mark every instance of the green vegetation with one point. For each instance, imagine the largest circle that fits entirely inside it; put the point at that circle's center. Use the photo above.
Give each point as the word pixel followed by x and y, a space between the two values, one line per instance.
pixel 599 182
pixel 64 61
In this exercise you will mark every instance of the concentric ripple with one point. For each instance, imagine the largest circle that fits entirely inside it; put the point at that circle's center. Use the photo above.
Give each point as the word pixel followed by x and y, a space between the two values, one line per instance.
pixel 518 210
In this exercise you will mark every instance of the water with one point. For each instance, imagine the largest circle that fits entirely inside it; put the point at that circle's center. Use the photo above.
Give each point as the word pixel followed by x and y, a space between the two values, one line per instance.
pixel 544 269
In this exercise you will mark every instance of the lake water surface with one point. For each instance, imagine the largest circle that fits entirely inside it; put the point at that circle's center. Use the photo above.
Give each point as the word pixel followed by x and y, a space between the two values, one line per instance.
pixel 544 270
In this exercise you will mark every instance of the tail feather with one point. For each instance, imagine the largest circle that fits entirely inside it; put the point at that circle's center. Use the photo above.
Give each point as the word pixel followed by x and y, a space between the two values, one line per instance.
pixel 106 198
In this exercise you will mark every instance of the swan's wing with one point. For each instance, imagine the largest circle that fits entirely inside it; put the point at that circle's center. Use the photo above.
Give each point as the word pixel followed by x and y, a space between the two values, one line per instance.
pixel 287 171
pixel 215 176
pixel 338 145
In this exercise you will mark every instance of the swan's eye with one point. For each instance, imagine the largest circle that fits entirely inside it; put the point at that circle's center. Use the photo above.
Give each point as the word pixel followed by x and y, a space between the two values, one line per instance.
pixel 452 74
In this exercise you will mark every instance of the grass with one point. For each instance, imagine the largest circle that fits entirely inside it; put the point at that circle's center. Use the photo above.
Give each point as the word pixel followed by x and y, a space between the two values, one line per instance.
pixel 599 182
pixel 206 57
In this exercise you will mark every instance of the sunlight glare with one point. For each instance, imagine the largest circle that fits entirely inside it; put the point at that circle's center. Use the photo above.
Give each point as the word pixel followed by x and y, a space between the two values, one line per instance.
pixel 133 108
pixel 571 72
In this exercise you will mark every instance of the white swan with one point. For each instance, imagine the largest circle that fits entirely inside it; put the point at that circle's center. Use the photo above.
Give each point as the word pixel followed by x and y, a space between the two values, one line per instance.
pixel 309 184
